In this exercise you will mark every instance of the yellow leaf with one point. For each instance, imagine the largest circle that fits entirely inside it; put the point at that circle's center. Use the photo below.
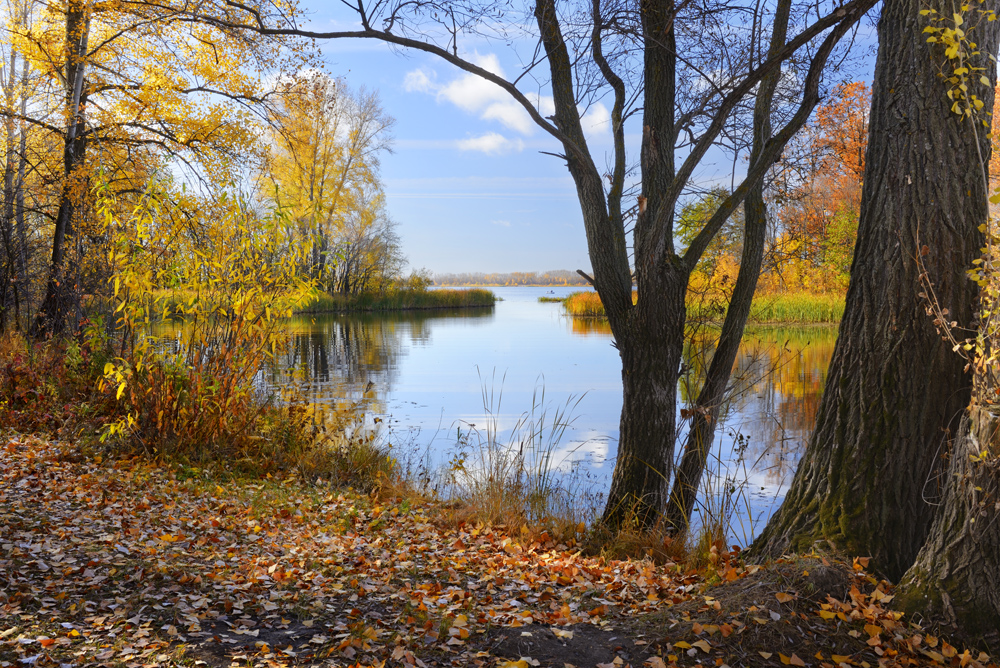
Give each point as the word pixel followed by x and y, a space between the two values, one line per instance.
pixel 934 656
pixel 703 646
pixel 766 655
pixel 839 658
pixel 784 659
pixel 682 645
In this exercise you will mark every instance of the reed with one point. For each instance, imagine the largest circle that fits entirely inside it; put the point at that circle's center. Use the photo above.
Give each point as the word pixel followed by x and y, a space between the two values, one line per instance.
pixel 397 300
pixel 795 307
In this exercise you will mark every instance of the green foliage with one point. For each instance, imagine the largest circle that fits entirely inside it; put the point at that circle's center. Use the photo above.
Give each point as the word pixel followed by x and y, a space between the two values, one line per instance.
pixel 692 219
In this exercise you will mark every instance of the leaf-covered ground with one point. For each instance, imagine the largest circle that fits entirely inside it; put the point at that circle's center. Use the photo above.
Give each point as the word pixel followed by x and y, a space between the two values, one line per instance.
pixel 123 564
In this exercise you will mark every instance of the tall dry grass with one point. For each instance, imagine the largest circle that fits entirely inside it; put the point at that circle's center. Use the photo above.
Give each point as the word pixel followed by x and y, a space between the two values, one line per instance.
pixel 799 307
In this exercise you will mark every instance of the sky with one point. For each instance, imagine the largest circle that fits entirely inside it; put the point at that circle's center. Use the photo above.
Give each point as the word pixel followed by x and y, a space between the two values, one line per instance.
pixel 467 182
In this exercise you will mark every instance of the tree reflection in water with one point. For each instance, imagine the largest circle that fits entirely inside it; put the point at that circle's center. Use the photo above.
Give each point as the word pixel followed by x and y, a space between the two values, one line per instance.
pixel 777 381
pixel 348 363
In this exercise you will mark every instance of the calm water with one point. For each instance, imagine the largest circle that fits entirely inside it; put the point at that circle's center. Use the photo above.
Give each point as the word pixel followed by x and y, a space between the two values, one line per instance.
pixel 427 375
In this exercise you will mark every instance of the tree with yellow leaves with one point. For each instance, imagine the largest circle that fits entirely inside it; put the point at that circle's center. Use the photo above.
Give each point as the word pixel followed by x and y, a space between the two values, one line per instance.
pixel 323 171
pixel 131 87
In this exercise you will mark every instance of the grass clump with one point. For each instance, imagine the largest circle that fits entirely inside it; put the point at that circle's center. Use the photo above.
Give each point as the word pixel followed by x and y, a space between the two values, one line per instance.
pixel 517 481
pixel 792 307
pixel 584 305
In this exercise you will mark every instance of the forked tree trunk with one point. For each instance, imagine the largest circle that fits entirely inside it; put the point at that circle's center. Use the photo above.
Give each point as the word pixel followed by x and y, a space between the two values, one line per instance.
pixel 895 391
pixel 687 478
pixel 956 577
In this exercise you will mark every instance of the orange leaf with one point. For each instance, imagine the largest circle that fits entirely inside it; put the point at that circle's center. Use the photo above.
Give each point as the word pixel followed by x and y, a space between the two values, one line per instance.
pixel 783 597
pixel 796 661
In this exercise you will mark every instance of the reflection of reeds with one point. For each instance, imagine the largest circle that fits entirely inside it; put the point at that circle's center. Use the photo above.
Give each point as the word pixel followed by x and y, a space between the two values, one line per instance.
pixel 590 326
pixel 776 384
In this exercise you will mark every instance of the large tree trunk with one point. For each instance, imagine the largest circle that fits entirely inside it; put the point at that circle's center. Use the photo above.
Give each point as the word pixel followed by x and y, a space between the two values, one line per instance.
pixel 895 390
pixel 650 346
pixel 956 577
pixel 687 478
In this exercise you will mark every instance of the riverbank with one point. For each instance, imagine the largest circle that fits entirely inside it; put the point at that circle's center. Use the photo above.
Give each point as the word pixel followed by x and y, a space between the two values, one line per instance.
pixel 133 563
pixel 788 308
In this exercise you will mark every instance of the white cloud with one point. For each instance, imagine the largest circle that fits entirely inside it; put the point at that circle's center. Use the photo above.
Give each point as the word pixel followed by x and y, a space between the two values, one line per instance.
pixel 419 81
pixel 491 143
pixel 476 95
pixel 501 223
pixel 597 120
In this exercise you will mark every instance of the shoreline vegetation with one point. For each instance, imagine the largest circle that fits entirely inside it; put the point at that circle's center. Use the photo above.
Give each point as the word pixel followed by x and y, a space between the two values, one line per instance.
pixel 556 278
pixel 176 303
pixel 396 300
pixel 793 307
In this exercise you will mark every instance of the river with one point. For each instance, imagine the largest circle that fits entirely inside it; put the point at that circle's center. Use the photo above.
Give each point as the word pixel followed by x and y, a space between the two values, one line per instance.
pixel 434 381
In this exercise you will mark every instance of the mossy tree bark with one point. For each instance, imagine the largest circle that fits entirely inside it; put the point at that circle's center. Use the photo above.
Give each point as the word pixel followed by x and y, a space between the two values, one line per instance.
pixel 956 577
pixel 896 391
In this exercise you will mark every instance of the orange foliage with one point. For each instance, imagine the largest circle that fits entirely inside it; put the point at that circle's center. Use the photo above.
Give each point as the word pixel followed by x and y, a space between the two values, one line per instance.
pixel 819 197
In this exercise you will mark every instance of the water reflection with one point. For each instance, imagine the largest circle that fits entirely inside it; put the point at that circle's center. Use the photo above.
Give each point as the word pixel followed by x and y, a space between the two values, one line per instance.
pixel 590 326
pixel 780 375
pixel 423 374
pixel 357 361
pixel 354 359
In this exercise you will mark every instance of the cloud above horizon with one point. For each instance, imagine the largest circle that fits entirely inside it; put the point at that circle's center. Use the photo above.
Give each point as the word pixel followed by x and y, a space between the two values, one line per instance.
pixel 477 96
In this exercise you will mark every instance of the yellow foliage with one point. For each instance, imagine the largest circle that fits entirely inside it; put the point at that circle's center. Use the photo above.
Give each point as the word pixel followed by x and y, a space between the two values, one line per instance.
pixel 197 388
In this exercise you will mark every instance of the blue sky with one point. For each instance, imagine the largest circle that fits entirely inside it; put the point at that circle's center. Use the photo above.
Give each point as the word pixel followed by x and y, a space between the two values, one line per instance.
pixel 467 183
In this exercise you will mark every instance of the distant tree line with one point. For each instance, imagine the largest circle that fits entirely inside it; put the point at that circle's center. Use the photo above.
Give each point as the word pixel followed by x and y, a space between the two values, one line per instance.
pixel 558 277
